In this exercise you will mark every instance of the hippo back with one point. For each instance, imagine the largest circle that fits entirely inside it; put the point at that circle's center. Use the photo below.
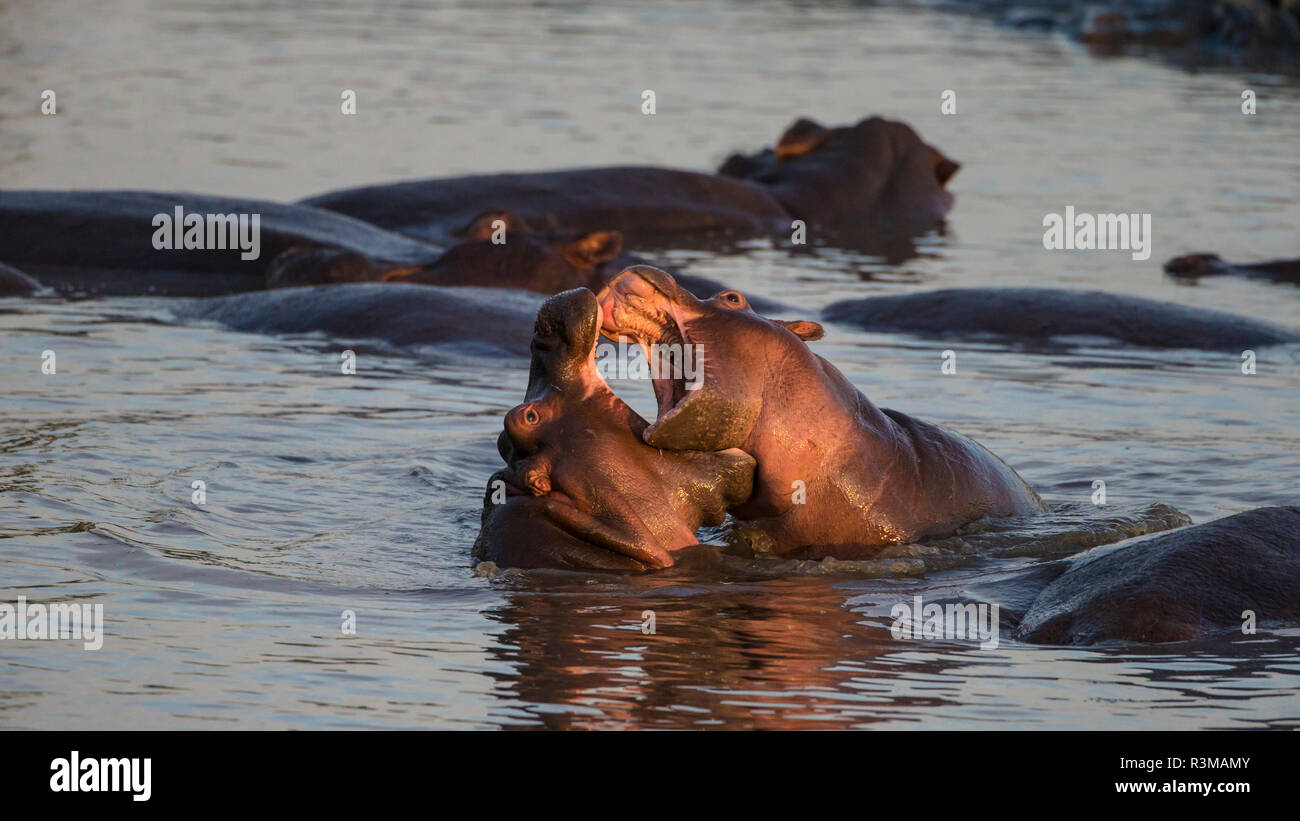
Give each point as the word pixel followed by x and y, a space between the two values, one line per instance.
pixel 641 202
pixel 104 241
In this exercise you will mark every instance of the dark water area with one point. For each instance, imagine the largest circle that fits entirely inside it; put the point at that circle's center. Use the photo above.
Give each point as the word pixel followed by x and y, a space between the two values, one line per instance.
pixel 328 493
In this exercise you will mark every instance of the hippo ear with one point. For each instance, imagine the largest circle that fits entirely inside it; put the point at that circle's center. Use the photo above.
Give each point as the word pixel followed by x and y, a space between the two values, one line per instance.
pixel 481 228
pixel 594 248
pixel 737 165
pixel 405 273
pixel 800 138
pixel 944 168
pixel 804 329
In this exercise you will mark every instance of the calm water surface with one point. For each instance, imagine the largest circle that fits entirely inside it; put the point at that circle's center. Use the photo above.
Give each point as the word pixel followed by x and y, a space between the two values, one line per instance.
pixel 328 493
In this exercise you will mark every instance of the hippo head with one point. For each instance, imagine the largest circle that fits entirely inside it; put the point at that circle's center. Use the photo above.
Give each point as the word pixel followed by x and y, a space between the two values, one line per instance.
pixel 732 354
pixel 323 265
pixel 847 174
pixel 545 263
pixel 1195 266
pixel 519 258
pixel 580 488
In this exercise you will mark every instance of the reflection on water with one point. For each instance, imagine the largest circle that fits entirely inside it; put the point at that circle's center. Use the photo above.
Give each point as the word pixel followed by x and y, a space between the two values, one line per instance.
pixel 328 493
pixel 783 656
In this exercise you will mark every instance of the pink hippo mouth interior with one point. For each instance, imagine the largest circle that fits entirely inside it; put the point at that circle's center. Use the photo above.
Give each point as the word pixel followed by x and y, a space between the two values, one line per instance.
pixel 638 309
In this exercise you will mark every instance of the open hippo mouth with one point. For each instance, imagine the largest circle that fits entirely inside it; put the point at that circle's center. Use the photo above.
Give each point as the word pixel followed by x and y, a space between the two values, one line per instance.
pixel 695 413
pixel 642 306
pixel 581 487
pixel 564 370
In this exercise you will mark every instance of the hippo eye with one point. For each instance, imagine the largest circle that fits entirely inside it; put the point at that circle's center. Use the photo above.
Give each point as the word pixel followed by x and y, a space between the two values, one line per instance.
pixel 733 298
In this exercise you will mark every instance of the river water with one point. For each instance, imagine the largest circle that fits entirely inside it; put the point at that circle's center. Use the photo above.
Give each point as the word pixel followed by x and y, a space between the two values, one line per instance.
pixel 329 493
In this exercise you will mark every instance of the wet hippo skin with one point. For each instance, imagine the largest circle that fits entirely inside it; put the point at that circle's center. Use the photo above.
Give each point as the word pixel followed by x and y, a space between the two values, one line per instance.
pixel 1039 314
pixel 580 487
pixel 490 320
pixel 845 177
pixel 1177 585
pixel 836 476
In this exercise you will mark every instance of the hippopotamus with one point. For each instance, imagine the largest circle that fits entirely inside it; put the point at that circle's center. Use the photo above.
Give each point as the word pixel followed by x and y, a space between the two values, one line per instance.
pixel 1195 266
pixel 478 320
pixel 102 242
pixel 836 476
pixel 113 254
pixel 1176 585
pixel 15 283
pixel 580 488
pixel 1241 33
pixel 1037 315
pixel 545 263
pixel 526 260
pixel 877 172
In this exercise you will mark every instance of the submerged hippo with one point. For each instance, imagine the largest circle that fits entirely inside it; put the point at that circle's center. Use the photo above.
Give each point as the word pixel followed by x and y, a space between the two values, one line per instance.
pixel 836 475
pixel 546 263
pixel 525 260
pixel 528 261
pixel 481 320
pixel 1040 314
pixel 103 242
pixel 1195 266
pixel 581 488
pixel 15 283
pixel 1176 585
pixel 877 171
pixel 489 321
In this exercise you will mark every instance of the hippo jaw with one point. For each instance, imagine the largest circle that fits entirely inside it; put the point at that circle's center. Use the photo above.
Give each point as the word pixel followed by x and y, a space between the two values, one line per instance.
pixel 527 531
pixel 581 488
pixel 695 411
pixel 564 344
